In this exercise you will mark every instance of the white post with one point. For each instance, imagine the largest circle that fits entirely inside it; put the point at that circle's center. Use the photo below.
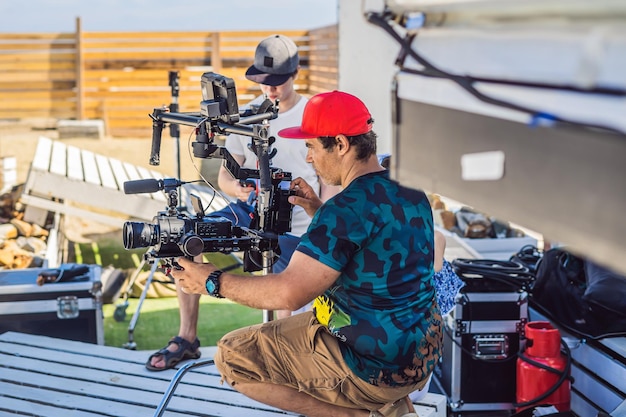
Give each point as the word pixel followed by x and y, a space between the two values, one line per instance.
pixel 8 166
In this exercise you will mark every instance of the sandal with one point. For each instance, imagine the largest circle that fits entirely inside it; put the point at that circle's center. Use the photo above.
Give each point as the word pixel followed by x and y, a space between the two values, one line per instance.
pixel 185 351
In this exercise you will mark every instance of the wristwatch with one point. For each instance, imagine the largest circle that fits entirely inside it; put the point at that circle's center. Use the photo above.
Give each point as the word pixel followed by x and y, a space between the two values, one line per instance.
pixel 213 283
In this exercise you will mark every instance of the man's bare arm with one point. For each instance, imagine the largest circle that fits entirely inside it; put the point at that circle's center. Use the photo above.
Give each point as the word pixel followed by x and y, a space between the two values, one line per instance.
pixel 304 279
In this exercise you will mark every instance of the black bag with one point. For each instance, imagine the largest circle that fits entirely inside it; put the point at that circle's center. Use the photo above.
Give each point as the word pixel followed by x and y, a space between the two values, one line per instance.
pixel 559 293
pixel 605 290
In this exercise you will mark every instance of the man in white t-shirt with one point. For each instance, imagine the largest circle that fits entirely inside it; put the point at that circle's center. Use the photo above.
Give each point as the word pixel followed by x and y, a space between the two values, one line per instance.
pixel 276 64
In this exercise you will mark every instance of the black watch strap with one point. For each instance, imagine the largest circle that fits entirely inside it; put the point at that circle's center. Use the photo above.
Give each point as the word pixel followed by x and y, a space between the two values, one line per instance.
pixel 213 283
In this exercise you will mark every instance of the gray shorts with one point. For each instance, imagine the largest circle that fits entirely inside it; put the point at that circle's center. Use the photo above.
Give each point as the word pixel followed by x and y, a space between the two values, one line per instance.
pixel 300 353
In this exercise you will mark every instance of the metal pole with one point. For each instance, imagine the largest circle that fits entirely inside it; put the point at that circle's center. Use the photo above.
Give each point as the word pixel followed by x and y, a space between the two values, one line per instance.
pixel 167 396
pixel 268 259
pixel 174 77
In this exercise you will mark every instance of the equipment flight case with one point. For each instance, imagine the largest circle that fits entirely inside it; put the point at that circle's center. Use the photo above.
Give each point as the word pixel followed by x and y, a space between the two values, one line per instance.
pixel 63 302
pixel 482 336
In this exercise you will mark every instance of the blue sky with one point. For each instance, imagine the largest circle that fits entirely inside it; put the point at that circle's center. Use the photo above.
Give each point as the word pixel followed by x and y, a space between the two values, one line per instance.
pixel 170 15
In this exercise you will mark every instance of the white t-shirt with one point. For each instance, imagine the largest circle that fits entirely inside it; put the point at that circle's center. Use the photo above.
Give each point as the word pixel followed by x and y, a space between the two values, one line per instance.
pixel 290 156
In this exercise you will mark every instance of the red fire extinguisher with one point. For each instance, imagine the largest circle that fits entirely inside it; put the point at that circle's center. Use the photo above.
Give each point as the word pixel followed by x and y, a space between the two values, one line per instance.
pixel 543 371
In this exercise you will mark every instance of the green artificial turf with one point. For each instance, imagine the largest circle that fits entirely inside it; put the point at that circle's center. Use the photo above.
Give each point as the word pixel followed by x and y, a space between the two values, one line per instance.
pixel 158 321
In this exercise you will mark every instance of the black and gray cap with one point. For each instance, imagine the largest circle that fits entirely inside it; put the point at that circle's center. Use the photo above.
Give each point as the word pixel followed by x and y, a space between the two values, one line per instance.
pixel 275 60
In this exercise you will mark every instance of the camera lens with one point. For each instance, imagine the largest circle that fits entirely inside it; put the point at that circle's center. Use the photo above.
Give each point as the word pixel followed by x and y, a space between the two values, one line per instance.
pixel 139 235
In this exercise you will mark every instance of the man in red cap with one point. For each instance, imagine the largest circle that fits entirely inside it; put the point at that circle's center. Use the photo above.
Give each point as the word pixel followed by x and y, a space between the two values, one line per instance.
pixel 374 335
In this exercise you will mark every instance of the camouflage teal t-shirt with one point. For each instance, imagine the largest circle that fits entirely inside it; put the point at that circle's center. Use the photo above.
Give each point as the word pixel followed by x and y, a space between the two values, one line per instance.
pixel 379 235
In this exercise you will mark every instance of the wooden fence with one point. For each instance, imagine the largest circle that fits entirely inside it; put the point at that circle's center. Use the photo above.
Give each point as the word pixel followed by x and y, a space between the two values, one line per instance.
pixel 119 77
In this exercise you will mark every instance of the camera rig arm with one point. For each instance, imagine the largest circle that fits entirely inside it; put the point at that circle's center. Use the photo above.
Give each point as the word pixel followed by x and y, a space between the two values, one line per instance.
pixel 175 233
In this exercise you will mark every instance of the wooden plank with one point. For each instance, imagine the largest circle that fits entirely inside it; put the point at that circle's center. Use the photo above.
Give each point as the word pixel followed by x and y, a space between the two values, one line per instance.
pixel 74 164
pixel 117 168
pixel 189 44
pixel 131 74
pixel 51 56
pixel 43 153
pixel 123 386
pixel 131 172
pixel 26 107
pixel 59 400
pixel 42 65
pixel 58 159
pixel 65 376
pixel 36 46
pixel 38 55
pixel 91 55
pixel 37 86
pixel 40 163
pixel 106 174
pixel 40 113
pixel 36 95
pixel 36 36
pixel 90 168
pixel 147 35
pixel 33 76
pixel 148 174
pixel 79 71
pixel 30 407
pixel 153 36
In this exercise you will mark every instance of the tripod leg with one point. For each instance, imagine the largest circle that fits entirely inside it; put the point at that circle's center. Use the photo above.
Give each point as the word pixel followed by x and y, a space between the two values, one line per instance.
pixel 133 322
pixel 132 280
pixel 120 309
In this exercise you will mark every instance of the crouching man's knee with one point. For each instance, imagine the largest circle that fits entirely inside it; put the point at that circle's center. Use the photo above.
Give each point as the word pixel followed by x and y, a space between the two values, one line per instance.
pixel 238 358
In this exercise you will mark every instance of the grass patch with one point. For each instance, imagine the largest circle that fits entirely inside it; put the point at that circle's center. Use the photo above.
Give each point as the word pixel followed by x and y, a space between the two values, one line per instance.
pixel 107 250
pixel 158 321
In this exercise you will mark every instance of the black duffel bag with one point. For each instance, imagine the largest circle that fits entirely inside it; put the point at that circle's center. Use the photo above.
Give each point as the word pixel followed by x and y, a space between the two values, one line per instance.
pixel 577 295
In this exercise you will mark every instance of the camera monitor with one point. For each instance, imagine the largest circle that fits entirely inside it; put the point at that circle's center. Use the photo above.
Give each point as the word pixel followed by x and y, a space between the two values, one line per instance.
pixel 219 98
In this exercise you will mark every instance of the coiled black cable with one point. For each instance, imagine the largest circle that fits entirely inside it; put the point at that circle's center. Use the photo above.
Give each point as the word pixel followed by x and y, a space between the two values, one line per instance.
pixel 510 273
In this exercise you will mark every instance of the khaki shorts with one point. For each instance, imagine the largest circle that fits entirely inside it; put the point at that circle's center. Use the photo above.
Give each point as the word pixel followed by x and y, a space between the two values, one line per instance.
pixel 300 353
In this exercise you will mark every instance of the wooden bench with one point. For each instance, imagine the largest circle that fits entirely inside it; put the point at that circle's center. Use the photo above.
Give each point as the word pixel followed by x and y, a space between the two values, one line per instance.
pixel 52 377
pixel 72 181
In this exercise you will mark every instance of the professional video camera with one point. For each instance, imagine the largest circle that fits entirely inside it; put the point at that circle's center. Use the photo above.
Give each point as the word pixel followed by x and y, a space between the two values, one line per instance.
pixel 176 233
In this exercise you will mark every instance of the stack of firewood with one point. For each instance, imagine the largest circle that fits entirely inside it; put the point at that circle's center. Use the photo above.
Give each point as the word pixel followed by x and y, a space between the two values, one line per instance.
pixel 22 244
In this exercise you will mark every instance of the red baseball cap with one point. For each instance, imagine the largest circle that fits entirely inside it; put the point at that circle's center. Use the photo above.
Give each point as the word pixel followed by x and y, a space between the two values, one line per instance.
pixel 331 114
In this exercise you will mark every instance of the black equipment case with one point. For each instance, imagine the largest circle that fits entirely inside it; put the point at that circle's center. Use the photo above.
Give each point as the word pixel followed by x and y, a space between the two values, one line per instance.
pixel 482 336
pixel 68 304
